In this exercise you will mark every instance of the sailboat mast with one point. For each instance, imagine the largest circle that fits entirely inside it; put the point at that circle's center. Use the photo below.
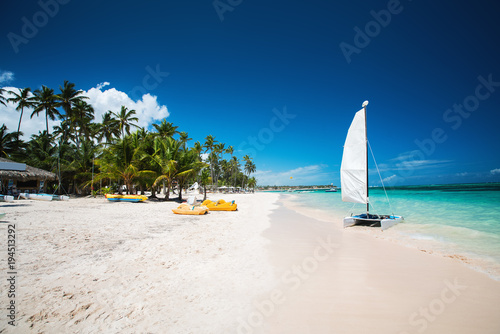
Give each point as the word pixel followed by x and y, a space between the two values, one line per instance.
pixel 366 143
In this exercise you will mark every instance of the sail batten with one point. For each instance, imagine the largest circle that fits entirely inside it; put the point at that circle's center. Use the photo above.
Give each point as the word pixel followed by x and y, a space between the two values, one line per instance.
pixel 353 171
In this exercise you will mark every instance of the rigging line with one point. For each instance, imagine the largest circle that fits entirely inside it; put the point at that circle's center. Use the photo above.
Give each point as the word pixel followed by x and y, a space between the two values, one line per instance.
pixel 350 210
pixel 380 176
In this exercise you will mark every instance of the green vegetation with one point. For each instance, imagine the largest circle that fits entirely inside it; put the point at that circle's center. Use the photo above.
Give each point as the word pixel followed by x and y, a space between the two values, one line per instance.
pixel 92 157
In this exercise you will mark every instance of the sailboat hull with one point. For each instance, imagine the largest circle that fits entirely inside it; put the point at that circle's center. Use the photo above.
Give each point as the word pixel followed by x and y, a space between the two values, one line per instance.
pixel 384 222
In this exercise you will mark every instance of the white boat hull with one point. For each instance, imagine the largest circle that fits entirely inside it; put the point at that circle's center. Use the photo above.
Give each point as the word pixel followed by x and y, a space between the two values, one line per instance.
pixel 38 197
pixel 384 223
pixel 6 198
pixel 60 198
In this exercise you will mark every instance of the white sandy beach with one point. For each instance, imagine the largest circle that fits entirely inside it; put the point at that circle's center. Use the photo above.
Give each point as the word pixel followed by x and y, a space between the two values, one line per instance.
pixel 92 266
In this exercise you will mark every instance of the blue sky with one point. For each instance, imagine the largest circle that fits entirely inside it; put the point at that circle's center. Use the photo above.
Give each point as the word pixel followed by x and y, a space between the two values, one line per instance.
pixel 281 80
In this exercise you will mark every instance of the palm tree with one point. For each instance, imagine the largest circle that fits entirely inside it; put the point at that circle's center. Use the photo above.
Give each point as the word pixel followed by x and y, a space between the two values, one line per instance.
pixel 184 138
pixel 166 129
pixel 110 127
pixel 63 131
pixel 9 142
pixel 125 120
pixel 218 149
pixel 2 97
pixel 225 169
pixel 82 114
pixel 69 97
pixel 209 143
pixel 41 151
pixel 120 161
pixel 204 181
pixel 187 165
pixel 252 182
pixel 230 150
pixel 46 100
pixel 163 160
pixel 235 167
pixel 23 100
pixel 249 168
pixel 81 165
pixel 93 129
pixel 198 147
pixel 209 146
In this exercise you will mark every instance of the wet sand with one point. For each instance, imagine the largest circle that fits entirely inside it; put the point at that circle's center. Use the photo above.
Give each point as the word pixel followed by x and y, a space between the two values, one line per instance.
pixel 334 280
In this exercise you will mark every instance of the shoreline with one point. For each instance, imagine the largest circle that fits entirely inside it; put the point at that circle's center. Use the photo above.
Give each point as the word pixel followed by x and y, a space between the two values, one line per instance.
pixel 365 284
pixel 398 236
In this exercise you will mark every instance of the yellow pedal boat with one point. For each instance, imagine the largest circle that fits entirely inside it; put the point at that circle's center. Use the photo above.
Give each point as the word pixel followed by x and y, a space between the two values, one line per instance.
pixel 185 209
pixel 220 205
pixel 126 198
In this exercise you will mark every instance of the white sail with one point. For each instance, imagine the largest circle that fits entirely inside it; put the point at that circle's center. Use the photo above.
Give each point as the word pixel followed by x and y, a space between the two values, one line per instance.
pixel 353 169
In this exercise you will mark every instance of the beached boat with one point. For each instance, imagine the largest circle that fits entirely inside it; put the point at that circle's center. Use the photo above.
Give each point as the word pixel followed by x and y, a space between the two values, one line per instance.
pixel 38 197
pixel 126 198
pixel 113 197
pixel 41 197
pixel 60 198
pixel 354 175
pixel 6 198
pixel 186 209
pixel 220 205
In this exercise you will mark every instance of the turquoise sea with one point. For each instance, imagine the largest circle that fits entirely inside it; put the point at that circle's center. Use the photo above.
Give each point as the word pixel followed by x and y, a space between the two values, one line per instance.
pixel 459 220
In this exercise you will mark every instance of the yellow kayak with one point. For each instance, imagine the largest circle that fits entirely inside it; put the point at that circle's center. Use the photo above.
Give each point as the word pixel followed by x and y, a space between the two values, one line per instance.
pixel 220 205
pixel 126 198
pixel 185 209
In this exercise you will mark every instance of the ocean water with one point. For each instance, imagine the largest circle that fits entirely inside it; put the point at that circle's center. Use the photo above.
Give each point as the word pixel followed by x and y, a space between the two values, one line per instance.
pixel 459 220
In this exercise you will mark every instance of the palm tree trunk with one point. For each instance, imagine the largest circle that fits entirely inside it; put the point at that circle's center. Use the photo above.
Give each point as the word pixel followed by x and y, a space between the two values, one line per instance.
pixel 180 192
pixel 167 195
pixel 47 121
pixel 19 126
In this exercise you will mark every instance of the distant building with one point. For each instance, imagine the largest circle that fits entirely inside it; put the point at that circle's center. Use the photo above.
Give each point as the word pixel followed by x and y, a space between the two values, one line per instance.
pixel 17 177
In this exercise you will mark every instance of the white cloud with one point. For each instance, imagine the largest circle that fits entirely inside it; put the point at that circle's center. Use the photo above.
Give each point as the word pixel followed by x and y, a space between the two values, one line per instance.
pixel 102 85
pixel 415 160
pixel 147 110
pixel 6 77
pixel 389 179
pixel 307 175
pixel 462 174
pixel 204 157
pixel 495 171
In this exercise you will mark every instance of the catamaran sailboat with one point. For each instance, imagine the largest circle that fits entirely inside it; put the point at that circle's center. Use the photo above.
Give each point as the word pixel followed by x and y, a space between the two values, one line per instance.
pixel 354 175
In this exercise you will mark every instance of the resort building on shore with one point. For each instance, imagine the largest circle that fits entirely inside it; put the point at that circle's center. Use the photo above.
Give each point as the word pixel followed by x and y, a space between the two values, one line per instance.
pixel 18 177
